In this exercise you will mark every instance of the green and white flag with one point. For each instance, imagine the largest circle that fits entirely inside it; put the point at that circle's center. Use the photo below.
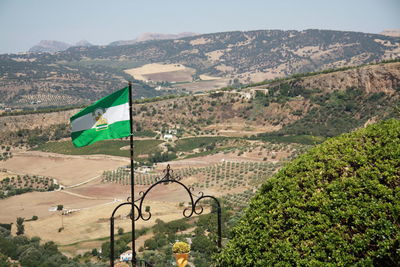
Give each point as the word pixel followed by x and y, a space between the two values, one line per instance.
pixel 107 118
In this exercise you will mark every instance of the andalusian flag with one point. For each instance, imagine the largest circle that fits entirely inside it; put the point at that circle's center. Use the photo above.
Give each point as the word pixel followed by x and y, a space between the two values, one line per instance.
pixel 108 118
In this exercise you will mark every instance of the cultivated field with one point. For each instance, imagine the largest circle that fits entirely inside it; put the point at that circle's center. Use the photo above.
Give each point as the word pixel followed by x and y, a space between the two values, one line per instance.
pixel 162 72
pixel 203 85
pixel 89 207
pixel 68 170
pixel 180 76
pixel 89 204
pixel 93 222
pixel 93 185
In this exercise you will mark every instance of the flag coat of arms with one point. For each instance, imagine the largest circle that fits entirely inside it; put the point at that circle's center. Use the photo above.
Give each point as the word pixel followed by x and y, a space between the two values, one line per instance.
pixel 107 118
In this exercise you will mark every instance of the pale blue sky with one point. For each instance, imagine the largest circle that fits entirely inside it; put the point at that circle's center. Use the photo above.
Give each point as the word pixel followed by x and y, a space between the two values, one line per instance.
pixel 23 23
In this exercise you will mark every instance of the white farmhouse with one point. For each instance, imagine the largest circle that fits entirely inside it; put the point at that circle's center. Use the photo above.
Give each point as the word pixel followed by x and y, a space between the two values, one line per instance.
pixel 126 256
pixel 168 136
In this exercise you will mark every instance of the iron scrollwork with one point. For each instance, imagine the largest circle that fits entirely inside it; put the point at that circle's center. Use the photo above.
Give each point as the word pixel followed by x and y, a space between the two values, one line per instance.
pixel 194 208
pixel 169 177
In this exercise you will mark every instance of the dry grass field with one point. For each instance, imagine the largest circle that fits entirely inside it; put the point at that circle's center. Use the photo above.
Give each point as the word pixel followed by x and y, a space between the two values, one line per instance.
pixel 208 78
pixel 238 128
pixel 68 170
pixel 4 175
pixel 92 205
pixel 91 201
pixel 93 222
pixel 40 203
pixel 179 74
pixel 204 85
pixel 162 72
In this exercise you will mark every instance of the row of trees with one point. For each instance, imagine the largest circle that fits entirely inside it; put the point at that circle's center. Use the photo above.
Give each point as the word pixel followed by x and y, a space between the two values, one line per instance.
pixel 11 186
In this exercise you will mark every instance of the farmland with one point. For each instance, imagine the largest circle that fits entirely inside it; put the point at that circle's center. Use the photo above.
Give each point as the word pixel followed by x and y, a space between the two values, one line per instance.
pixel 162 72
pixel 15 185
pixel 96 180
pixel 112 148
pixel 222 144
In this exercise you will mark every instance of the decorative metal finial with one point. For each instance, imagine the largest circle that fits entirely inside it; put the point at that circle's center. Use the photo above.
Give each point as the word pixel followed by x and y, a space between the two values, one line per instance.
pixel 169 176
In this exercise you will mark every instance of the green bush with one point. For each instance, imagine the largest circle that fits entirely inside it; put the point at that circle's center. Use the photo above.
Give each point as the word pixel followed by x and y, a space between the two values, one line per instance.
pixel 29 252
pixel 337 205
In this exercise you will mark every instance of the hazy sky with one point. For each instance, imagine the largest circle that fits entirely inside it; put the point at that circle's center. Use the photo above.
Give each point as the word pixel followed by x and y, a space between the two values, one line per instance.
pixel 23 23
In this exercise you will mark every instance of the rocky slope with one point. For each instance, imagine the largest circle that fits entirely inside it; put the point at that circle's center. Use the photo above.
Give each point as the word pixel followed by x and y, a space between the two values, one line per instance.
pixel 372 79
pixel 32 121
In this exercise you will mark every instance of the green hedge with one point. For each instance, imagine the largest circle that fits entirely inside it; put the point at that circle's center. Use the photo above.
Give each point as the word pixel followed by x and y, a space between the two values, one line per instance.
pixel 338 205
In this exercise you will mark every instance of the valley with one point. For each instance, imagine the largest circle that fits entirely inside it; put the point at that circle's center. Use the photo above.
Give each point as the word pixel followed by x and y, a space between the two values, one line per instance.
pixel 225 142
pixel 88 193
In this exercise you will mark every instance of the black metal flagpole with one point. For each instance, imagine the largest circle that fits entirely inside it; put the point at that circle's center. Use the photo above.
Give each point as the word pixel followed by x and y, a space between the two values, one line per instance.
pixel 132 176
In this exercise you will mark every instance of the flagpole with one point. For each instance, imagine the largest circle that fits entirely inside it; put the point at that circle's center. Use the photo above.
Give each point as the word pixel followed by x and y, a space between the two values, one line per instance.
pixel 132 176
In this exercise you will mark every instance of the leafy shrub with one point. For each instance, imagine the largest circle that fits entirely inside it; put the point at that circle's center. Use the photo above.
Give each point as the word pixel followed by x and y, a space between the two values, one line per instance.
pixel 6 226
pixel 337 205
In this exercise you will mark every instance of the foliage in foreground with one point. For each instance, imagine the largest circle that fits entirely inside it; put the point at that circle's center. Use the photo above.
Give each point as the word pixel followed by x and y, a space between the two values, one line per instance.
pixel 31 253
pixel 338 205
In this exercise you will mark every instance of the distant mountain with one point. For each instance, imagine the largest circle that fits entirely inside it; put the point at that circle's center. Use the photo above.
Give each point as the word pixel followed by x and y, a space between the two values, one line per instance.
pixel 86 73
pixel 83 43
pixel 153 36
pixel 49 46
pixel 391 32
pixel 255 56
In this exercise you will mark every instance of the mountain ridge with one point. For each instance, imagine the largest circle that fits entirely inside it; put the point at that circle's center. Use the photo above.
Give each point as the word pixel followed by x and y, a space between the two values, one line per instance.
pixel 229 58
pixel 148 36
pixel 52 46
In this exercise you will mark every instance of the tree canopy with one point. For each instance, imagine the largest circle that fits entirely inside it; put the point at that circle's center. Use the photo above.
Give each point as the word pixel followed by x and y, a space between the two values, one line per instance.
pixel 337 205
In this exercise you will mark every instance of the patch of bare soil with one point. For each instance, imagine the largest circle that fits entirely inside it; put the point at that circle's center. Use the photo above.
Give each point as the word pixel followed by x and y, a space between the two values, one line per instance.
pixel 90 204
pixel 162 72
pixel 68 170
pixel 4 175
pixel 171 76
pixel 203 85
pixel 41 203
pixel 94 222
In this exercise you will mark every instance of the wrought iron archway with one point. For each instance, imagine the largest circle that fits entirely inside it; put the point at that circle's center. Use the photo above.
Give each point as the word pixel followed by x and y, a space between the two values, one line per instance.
pixel 140 213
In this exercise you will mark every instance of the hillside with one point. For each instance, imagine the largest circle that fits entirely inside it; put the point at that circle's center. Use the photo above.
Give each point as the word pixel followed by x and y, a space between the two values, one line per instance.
pixel 337 205
pixel 324 104
pixel 148 36
pixel 225 143
pixel 218 59
pixel 49 46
